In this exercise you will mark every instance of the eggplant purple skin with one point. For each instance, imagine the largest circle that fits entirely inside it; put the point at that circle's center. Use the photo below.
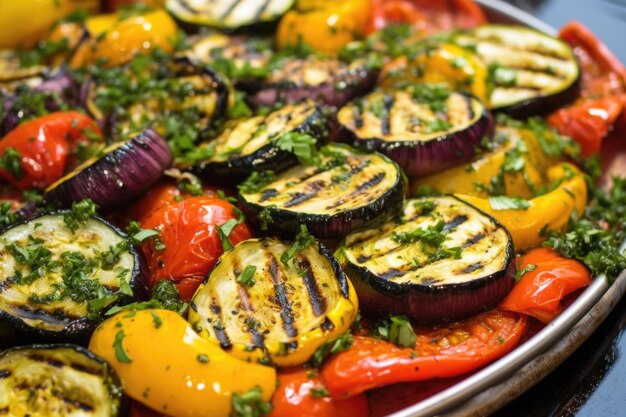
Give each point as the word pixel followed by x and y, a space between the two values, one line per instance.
pixel 13 330
pixel 432 304
pixel 355 83
pixel 62 84
pixel 418 159
pixel 266 158
pixel 287 223
pixel 119 176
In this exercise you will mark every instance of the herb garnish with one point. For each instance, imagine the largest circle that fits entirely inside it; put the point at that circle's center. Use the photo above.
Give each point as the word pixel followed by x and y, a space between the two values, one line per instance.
pixel 120 352
pixel 503 202
pixel 329 348
pixel 11 161
pixel 521 272
pixel 395 329
pixel 303 240
pixel 256 182
pixel 250 404
pixel 247 276
pixel 302 145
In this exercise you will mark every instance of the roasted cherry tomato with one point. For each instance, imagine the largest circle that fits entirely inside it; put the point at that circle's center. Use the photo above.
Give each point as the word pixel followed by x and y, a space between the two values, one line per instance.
pixel 301 393
pixel 324 25
pixel 444 352
pixel 189 232
pixel 34 154
pixel 428 16
pixel 589 122
pixel 549 277
pixel 603 73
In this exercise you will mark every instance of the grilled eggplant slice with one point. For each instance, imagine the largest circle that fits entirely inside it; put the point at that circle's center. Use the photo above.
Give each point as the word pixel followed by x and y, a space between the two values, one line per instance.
pixel 424 128
pixel 442 260
pixel 256 305
pixel 125 171
pixel 345 191
pixel 230 14
pixel 327 81
pixel 249 145
pixel 529 72
pixel 58 381
pixel 55 281
pixel 151 93
pixel 242 59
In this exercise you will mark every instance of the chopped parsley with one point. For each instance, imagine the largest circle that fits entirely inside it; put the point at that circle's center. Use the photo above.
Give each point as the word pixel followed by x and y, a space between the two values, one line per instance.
pixel 503 202
pixel 224 232
pixel 247 276
pixel 81 212
pixel 249 404
pixel 120 353
pixel 319 392
pixel 302 145
pixel 521 272
pixel 331 347
pixel 11 161
pixel 303 240
pixel 256 182
pixel 433 95
pixel 7 215
pixel 202 358
pixel 395 329
pixel 433 235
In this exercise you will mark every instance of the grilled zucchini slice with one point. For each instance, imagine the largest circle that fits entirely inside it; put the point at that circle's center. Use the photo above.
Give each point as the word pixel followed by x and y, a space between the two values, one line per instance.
pixel 256 305
pixel 54 281
pixel 249 145
pixel 425 128
pixel 58 381
pixel 229 14
pixel 442 260
pixel 345 191
pixel 529 71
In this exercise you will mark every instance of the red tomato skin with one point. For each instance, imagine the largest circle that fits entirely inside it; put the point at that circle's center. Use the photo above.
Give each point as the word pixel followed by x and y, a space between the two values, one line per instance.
pixel 603 74
pixel 292 398
pixel 44 145
pixel 428 16
pixel 540 292
pixel 192 243
pixel 371 363
pixel 589 122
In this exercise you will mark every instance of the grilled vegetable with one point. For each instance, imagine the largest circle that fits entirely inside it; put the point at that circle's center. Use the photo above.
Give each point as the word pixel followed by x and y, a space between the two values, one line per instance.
pixel 227 14
pixel 125 171
pixel 35 153
pixel 323 25
pixel 60 270
pixel 58 381
pixel 442 260
pixel 165 365
pixel 259 303
pixel 240 58
pixel 172 96
pixel 344 191
pixel 52 93
pixel 516 165
pixel 324 80
pixel 424 128
pixel 250 145
pixel 529 72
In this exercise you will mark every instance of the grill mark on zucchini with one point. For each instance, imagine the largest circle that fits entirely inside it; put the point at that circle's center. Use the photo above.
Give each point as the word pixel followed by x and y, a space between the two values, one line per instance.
pixel 281 295
pixel 385 121
pixel 357 116
pixel 261 9
pixel 473 240
pixel 472 268
pixel 4 374
pixel 222 337
pixel 316 299
pixel 267 194
pixel 454 223
pixel 230 9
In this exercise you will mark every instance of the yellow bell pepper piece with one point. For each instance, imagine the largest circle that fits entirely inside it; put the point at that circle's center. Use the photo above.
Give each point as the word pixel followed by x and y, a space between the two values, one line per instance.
pixel 550 211
pixel 473 179
pixel 119 40
pixel 324 25
pixel 25 22
pixel 164 364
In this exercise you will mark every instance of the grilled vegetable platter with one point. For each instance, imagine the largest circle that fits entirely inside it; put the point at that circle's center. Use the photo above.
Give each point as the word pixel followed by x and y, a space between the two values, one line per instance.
pixel 277 207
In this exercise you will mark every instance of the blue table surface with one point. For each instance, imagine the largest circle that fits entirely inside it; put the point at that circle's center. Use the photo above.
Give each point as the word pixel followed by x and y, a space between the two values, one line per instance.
pixel 592 382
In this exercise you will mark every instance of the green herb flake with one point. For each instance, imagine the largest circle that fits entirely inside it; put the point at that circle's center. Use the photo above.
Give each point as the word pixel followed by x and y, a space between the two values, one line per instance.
pixel 256 182
pixel 249 404
pixel 11 161
pixel 156 320
pixel 521 272
pixel 502 202
pixel 224 232
pixel 302 145
pixel 202 358
pixel 319 392
pixel 120 353
pixel 247 276
pixel 303 240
